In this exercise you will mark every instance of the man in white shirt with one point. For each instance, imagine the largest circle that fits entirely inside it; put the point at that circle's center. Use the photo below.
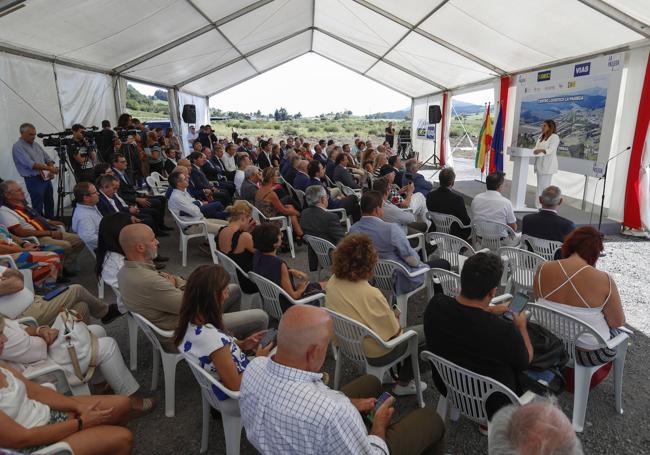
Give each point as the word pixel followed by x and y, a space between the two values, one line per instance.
pixel 86 216
pixel 187 208
pixel 228 158
pixel 243 161
pixel 191 137
pixel 287 408
pixel 492 206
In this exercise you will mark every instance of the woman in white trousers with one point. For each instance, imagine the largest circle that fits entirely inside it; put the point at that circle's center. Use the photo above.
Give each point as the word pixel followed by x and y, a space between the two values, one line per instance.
pixel 546 161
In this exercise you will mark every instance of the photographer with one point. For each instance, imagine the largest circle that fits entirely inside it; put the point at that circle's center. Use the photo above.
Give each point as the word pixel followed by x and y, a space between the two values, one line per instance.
pixel 37 168
pixel 105 142
pixel 82 154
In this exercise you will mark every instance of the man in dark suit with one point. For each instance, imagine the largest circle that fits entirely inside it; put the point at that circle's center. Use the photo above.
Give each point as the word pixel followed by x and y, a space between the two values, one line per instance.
pixel 317 221
pixel 151 205
pixel 301 180
pixel 547 224
pixel 444 200
pixel 342 174
pixel 291 171
pixel 109 203
pixel 200 182
pixel 170 160
pixel 331 163
pixel 211 170
pixel 320 154
pixel 264 156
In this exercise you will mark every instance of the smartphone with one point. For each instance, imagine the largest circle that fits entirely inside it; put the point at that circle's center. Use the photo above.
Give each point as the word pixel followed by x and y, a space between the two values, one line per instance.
pixel 53 293
pixel 519 302
pixel 269 337
pixel 383 397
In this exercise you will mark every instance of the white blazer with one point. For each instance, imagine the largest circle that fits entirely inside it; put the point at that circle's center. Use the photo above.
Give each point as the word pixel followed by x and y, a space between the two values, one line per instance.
pixel 547 163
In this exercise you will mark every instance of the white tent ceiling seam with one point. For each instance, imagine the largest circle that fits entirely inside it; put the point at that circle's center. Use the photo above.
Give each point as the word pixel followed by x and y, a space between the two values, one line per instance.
pixel 412 44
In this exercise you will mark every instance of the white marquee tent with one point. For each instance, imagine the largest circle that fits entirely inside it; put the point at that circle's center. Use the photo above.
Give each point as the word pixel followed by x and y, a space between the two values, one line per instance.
pixel 67 61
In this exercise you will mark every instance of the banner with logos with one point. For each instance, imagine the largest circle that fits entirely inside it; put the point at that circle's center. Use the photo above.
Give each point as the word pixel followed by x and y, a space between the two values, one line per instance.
pixel 425 130
pixel 581 98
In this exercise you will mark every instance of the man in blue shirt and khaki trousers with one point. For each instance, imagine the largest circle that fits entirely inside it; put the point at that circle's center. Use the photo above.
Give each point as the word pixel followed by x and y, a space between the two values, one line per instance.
pixel 30 160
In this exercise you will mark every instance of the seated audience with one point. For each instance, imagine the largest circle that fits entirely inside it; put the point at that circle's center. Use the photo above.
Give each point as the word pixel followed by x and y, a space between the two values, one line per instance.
pixel 43 260
pixel 574 286
pixel 183 205
pixel 151 205
pixel 157 295
pixel 212 167
pixel 405 197
pixel 18 301
pixel 86 217
pixel 492 205
pixel 251 184
pixel 421 184
pixel 547 224
pixel 243 161
pixel 468 332
pixel 318 222
pixel 170 160
pixel 264 155
pixel 291 171
pixel 201 333
pixel 25 345
pixel 395 214
pixel 537 428
pixel 445 200
pixel 102 169
pixel 286 407
pixel 391 243
pixel 202 183
pixel 395 162
pixel 33 416
pixel 342 174
pixel 331 163
pixel 23 221
pixel 229 160
pixel 336 200
pixel 301 180
pixel 236 241
pixel 275 155
pixel 268 202
pixel 350 294
pixel 109 256
pixel 380 161
pixel 267 238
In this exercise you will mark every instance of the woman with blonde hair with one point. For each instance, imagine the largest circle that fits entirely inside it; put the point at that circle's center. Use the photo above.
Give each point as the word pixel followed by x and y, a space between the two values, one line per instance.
pixel 380 160
pixel 236 242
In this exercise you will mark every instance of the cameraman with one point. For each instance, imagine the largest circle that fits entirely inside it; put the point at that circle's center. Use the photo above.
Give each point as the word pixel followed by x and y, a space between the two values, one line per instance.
pixel 82 155
pixel 31 160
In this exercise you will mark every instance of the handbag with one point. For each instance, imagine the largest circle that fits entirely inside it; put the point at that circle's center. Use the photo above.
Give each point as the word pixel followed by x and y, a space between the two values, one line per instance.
pixel 75 348
pixel 549 358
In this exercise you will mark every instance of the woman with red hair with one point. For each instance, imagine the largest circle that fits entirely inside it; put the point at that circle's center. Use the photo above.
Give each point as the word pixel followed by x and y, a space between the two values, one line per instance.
pixel 574 286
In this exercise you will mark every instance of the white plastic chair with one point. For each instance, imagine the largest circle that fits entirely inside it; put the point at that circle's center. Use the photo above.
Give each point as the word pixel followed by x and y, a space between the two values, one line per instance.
pixel 420 248
pixel 488 234
pixel 345 219
pixel 569 329
pixel 156 188
pixel 228 408
pixel 60 448
pixel 521 266
pixel 347 191
pixel 449 281
pixel 350 336
pixel 451 247
pixel 467 392
pixel 384 280
pixel 271 293
pixel 545 248
pixel 160 180
pixel 169 361
pixel 443 222
pixel 185 237
pixel 286 225
pixel 232 268
pixel 322 248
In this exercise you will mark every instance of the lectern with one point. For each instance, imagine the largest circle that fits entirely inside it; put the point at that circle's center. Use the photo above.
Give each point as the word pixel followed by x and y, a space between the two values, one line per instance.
pixel 521 158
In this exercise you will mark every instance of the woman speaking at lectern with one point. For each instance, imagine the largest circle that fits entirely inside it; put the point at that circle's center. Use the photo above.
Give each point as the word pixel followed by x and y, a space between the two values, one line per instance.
pixel 546 152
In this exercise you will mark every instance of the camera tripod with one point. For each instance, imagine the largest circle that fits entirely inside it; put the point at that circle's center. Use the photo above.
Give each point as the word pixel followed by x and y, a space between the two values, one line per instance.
pixel 62 151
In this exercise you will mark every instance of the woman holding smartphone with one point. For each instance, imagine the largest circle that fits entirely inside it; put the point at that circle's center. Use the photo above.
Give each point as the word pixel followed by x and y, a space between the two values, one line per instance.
pixel 201 333
pixel 546 153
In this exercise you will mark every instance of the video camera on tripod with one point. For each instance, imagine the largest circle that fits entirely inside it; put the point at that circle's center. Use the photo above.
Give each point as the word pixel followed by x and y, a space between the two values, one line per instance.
pixel 124 133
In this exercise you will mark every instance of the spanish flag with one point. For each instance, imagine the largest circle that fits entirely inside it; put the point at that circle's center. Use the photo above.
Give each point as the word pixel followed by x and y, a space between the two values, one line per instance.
pixel 484 141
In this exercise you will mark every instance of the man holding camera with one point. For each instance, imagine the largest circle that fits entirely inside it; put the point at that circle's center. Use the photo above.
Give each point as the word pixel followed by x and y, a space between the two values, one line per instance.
pixel 37 168
pixel 82 155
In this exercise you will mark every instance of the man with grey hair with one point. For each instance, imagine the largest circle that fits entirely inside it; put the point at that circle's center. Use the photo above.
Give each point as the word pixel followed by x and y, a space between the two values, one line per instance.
pixel 537 428
pixel 421 184
pixel 315 220
pixel 37 168
pixel 547 224
pixel 250 185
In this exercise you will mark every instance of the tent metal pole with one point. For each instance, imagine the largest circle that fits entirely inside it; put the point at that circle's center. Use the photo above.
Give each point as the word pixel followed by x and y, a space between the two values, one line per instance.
pixel 618 16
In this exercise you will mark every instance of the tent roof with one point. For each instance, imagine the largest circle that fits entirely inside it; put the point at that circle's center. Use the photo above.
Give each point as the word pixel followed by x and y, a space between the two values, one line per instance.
pixel 415 47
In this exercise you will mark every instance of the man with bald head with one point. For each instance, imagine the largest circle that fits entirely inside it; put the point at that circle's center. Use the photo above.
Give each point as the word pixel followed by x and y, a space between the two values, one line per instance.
pixel 158 295
pixel 286 407
pixel 537 428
